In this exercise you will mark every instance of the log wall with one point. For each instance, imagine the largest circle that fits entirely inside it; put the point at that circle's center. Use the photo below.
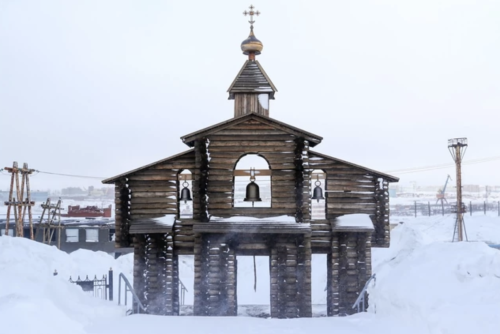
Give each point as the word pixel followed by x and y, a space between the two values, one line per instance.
pixel 122 214
pixel 200 181
pixel 290 272
pixel 149 193
pixel 157 274
pixel 245 103
pixel 215 277
pixel 140 267
pixel 349 267
pixel 382 235
pixel 227 146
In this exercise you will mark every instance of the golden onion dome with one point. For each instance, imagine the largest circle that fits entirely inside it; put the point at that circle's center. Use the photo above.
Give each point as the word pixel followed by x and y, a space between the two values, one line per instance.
pixel 251 44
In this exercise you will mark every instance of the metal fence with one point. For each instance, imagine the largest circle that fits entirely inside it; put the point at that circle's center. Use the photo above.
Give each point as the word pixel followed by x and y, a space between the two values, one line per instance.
pixel 101 288
pixel 428 209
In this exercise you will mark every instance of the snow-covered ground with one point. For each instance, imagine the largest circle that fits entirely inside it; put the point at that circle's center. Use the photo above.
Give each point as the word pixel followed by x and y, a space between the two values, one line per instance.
pixel 425 284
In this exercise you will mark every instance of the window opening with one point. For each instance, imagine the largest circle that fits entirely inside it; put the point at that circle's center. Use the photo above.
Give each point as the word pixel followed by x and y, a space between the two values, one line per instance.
pixel 91 235
pixel 250 171
pixel 186 194
pixel 10 232
pixel 112 234
pixel 318 194
pixel 72 235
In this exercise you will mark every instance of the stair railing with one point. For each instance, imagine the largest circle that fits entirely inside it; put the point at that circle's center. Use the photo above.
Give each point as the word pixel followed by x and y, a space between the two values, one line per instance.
pixel 129 288
pixel 360 301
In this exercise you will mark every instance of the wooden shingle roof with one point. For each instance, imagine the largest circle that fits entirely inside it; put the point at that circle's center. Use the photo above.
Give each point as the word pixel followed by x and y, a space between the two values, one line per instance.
pixel 113 179
pixel 252 79
pixel 312 138
pixel 386 176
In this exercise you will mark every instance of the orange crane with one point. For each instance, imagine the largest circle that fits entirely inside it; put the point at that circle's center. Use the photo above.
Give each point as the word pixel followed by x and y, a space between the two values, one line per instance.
pixel 440 196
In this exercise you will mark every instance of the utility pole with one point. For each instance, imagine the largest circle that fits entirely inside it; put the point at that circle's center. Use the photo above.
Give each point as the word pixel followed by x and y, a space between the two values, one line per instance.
pixel 17 203
pixel 457 148
pixel 48 227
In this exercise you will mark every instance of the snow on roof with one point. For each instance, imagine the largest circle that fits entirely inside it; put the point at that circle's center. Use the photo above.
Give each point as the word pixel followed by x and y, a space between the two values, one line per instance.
pixel 243 219
pixel 358 221
pixel 167 220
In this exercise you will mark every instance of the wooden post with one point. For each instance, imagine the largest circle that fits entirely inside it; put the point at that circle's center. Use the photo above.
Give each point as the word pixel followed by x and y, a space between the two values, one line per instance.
pixel 415 209
pixel 429 208
pixel 140 266
pixel 17 203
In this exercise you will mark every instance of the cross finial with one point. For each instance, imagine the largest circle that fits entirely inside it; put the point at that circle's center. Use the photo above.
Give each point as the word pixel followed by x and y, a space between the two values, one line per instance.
pixel 252 12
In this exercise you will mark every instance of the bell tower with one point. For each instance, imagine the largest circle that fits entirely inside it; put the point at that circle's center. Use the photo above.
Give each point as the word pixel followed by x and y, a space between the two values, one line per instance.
pixel 252 89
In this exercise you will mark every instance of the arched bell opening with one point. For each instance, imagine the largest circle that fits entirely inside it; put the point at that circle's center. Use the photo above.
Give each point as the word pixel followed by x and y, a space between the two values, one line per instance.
pixel 252 182
pixel 185 194
pixel 318 194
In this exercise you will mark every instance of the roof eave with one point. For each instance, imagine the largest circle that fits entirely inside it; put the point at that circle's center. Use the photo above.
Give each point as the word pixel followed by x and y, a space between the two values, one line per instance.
pixel 113 179
pixel 388 177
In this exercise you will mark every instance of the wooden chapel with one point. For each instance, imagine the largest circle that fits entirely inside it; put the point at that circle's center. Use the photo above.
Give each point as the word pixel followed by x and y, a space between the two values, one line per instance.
pixel 148 216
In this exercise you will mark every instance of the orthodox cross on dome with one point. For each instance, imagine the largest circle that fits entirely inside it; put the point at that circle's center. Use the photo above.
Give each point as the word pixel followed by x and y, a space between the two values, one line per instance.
pixel 251 13
pixel 251 46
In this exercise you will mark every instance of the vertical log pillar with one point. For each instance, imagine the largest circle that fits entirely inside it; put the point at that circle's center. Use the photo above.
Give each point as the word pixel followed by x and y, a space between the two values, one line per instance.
pixel 155 274
pixel 290 267
pixel 353 284
pixel 382 236
pixel 273 273
pixel 333 275
pixel 215 288
pixel 139 266
pixel 304 277
pixel 349 267
pixel 306 191
pixel 200 264
pixel 229 268
pixel 122 214
pixel 171 278
pixel 299 180
pixel 214 278
pixel 342 275
pixel 200 182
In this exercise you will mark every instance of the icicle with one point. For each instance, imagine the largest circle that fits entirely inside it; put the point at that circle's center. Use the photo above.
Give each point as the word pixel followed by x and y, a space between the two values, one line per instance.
pixel 254 275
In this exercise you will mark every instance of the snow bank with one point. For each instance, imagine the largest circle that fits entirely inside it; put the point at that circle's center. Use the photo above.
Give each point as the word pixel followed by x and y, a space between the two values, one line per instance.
pixel 33 300
pixel 449 287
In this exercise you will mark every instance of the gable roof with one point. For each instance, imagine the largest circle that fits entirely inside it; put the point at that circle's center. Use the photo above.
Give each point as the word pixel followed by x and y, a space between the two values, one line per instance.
pixel 115 178
pixel 388 177
pixel 252 79
pixel 312 138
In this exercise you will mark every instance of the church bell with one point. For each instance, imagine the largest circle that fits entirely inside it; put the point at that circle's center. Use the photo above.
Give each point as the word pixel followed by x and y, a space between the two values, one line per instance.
pixel 253 191
pixel 185 193
pixel 318 192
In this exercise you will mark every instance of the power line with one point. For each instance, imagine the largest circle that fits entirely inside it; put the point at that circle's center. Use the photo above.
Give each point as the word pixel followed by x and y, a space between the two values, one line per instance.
pixel 398 171
pixel 442 166
pixel 73 175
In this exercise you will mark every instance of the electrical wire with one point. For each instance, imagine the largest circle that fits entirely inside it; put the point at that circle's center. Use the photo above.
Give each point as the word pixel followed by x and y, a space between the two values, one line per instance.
pixel 72 175
pixel 442 166
pixel 398 171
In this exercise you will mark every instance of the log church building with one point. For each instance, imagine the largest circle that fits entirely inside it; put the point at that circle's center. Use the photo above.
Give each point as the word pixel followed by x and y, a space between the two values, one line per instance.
pixel 353 211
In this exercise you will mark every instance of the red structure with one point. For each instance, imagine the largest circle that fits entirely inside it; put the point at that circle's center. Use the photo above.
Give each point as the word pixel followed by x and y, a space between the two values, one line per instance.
pixel 88 211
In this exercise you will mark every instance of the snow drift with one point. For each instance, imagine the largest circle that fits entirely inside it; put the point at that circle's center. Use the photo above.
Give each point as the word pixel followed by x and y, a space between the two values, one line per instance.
pixel 33 300
pixel 449 287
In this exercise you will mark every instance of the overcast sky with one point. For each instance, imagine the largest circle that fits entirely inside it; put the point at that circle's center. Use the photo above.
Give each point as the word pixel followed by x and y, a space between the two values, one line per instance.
pixel 99 87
